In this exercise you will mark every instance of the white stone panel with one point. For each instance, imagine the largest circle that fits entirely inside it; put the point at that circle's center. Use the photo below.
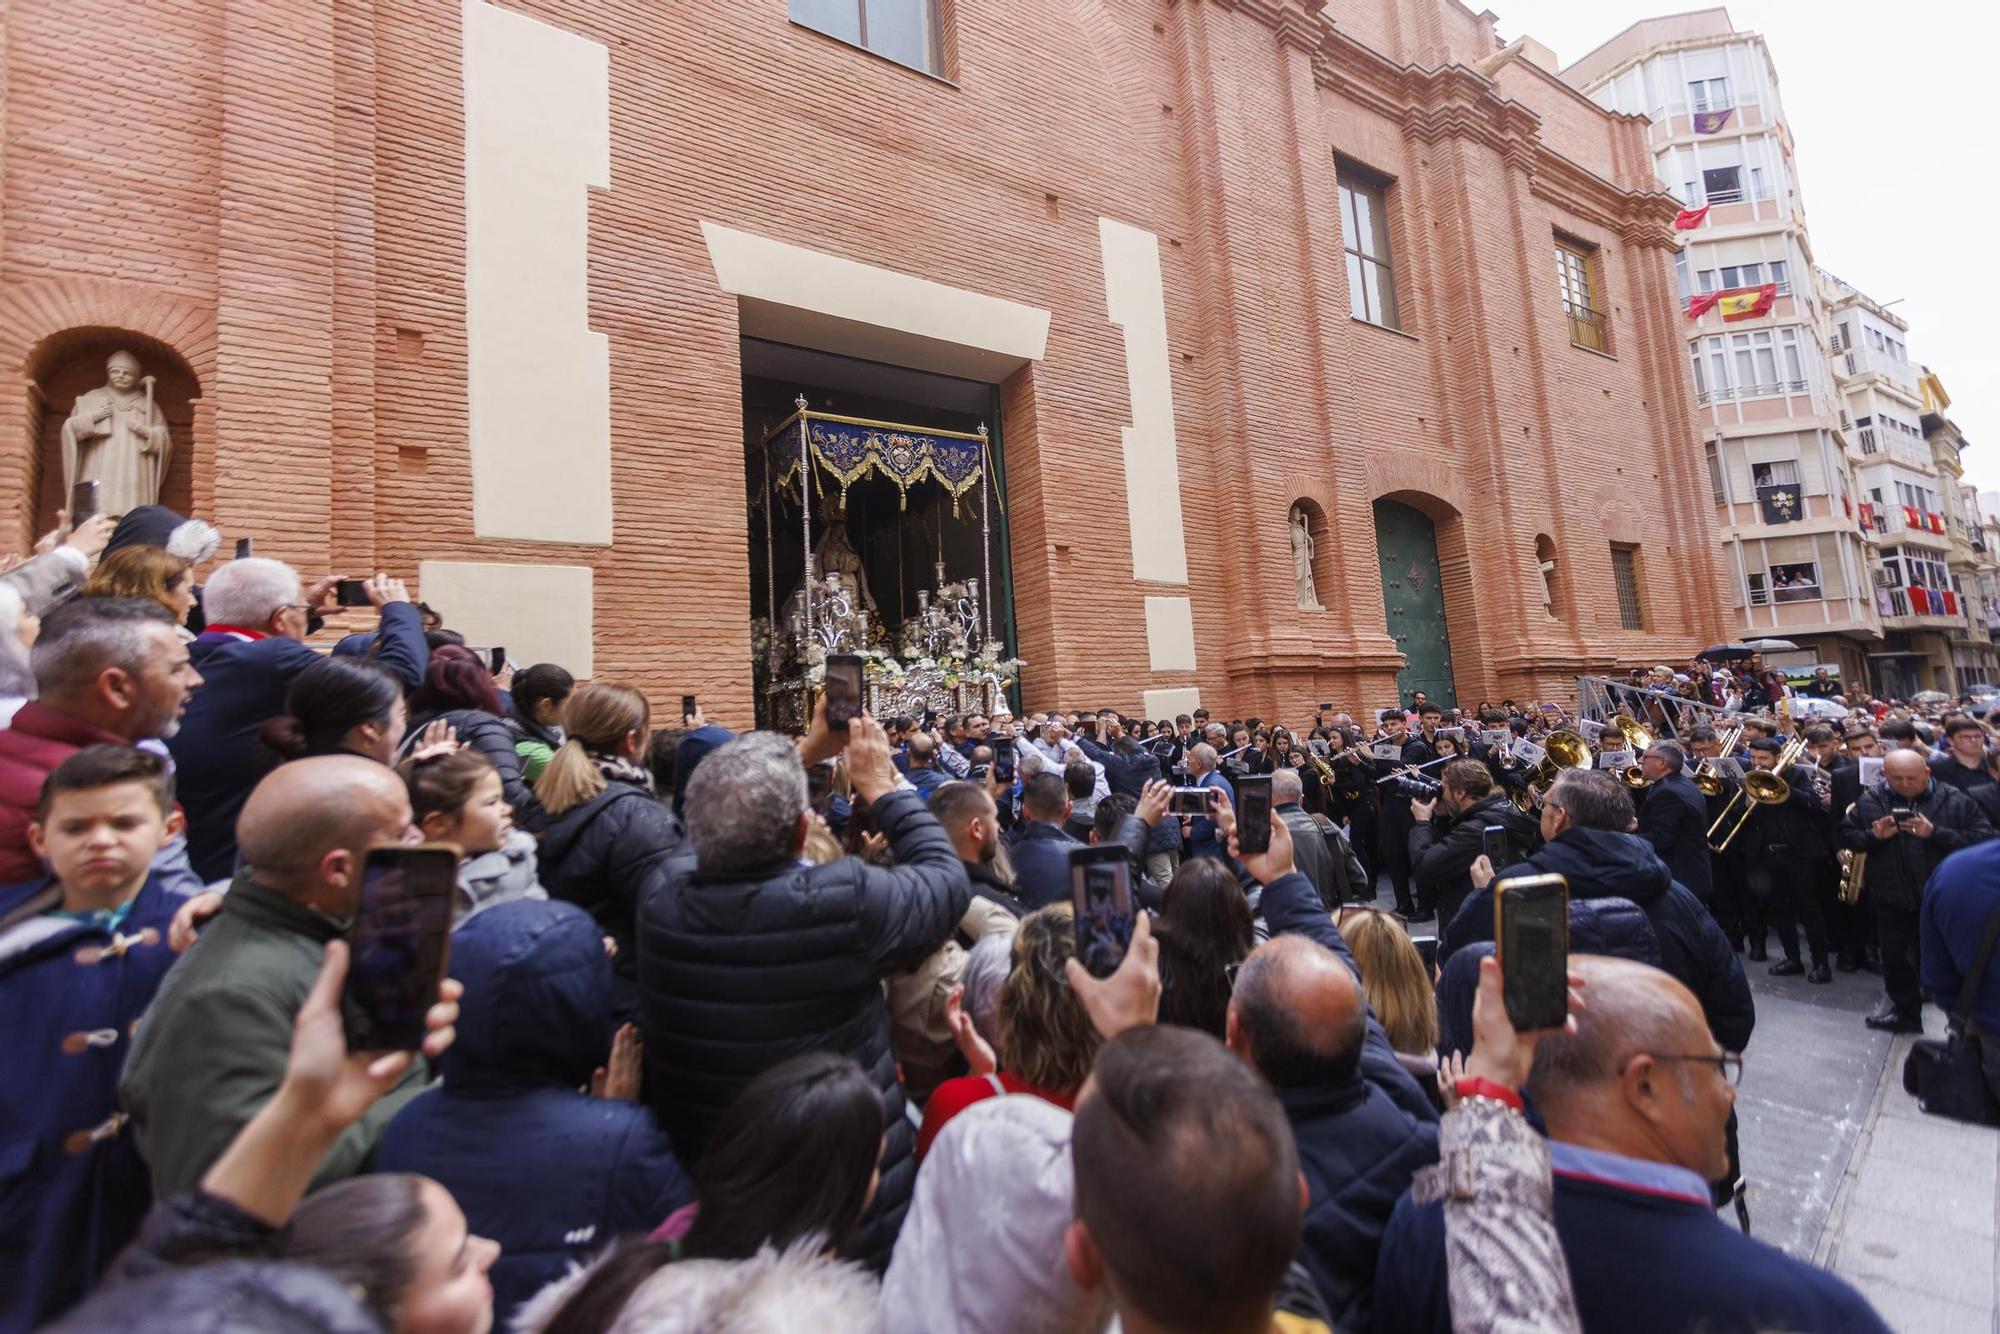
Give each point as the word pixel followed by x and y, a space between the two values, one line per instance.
pixel 538 380
pixel 538 613
pixel 1170 633
pixel 1136 302
pixel 1161 704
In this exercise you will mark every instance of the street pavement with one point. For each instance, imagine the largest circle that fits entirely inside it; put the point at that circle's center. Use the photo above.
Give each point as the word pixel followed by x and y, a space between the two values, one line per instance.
pixel 1846 1171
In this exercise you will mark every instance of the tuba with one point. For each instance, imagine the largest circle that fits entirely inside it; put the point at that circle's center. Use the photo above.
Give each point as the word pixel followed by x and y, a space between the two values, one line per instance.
pixel 1637 738
pixel 1634 777
pixel 1853 866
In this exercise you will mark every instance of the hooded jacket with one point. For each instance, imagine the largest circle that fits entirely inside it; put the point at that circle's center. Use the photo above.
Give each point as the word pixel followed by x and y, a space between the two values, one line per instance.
pixel 550 1173
pixel 1898 866
pixel 1442 852
pixel 1601 863
pixel 599 856
pixel 500 876
pixel 739 970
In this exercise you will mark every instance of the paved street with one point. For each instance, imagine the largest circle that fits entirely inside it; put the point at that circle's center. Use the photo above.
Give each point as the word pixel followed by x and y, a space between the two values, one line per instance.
pixel 1844 1169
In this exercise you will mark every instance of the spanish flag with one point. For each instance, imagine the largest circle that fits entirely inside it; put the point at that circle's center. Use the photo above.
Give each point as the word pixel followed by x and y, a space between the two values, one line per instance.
pixel 1745 303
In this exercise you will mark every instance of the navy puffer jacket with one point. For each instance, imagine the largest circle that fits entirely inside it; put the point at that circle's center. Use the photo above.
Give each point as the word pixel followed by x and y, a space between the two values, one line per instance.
pixel 599 856
pixel 550 1173
pixel 1601 863
pixel 740 971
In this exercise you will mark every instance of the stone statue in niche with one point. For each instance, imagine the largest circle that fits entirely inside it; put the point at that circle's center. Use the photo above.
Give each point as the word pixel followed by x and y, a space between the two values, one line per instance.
pixel 1302 560
pixel 1548 571
pixel 117 436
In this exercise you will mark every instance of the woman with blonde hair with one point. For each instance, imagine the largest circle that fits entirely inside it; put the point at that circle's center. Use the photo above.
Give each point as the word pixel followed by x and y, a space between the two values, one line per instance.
pixel 1399 987
pixel 146 572
pixel 602 831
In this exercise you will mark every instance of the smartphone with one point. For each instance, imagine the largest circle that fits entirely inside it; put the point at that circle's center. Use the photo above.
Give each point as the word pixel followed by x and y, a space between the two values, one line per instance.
pixel 496 660
pixel 350 593
pixel 1326 708
pixel 1427 949
pixel 1253 814
pixel 1498 845
pixel 398 945
pixel 1190 800
pixel 930 721
pixel 1003 770
pixel 1531 926
pixel 1101 888
pixel 243 548
pixel 1902 814
pixel 82 503
pixel 688 706
pixel 843 690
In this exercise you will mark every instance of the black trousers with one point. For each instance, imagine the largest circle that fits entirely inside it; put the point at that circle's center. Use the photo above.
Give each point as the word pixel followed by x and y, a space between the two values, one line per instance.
pixel 1897 927
pixel 1784 890
pixel 1394 846
pixel 1726 901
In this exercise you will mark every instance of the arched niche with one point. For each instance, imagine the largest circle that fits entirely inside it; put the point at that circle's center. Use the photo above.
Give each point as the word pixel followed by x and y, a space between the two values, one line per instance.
pixel 1325 568
pixel 1549 570
pixel 64 366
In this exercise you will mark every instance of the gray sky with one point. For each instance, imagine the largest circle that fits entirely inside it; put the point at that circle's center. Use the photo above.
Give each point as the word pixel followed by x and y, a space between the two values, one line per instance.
pixel 1890 108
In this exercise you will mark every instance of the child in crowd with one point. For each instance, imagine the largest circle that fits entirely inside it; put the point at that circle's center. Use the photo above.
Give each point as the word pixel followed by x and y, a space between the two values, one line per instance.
pixel 81 955
pixel 456 798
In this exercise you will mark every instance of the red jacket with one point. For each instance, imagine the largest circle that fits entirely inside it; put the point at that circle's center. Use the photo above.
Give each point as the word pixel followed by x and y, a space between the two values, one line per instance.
pixel 39 740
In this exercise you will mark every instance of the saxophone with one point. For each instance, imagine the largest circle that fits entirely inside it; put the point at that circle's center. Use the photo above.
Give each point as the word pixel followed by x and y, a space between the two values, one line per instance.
pixel 1853 866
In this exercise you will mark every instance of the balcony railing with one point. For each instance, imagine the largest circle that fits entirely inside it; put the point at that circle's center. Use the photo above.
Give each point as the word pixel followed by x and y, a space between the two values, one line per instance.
pixel 1724 196
pixel 1589 328
pixel 1705 397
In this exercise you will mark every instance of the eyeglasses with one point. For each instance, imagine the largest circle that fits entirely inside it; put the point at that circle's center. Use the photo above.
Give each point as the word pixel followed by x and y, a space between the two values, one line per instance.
pixel 1729 1063
pixel 1347 910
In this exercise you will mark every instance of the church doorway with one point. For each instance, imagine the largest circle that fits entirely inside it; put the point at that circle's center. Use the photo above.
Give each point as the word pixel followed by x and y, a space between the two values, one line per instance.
pixel 889 540
pixel 1413 601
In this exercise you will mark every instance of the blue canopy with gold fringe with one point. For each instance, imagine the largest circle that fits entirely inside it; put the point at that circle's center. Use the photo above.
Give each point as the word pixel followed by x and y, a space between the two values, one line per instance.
pixel 847 449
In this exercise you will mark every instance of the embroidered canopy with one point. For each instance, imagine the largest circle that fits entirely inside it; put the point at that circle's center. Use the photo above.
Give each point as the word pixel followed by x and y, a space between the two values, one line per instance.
pixel 847 449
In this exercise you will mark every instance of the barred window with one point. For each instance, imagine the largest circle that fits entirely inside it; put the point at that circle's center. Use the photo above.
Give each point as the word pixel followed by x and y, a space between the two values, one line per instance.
pixel 1625 575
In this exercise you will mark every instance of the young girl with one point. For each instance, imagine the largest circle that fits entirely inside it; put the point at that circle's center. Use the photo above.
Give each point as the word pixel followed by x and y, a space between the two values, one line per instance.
pixel 456 798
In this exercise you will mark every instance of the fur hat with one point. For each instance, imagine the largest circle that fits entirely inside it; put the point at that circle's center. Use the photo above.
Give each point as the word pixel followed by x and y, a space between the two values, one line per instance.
pixel 798 1292
pixel 157 526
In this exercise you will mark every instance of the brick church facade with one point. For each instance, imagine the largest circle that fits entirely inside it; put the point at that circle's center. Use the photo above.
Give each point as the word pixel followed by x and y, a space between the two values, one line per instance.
pixel 461 290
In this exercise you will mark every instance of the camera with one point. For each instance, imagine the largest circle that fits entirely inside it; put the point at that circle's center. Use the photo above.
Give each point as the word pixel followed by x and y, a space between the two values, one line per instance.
pixel 1416 787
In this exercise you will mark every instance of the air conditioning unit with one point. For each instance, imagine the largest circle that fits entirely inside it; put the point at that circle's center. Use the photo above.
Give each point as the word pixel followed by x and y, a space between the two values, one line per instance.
pixel 1882 579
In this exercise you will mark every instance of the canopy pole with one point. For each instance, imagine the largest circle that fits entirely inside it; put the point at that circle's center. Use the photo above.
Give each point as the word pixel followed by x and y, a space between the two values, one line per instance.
pixel 985 544
pixel 806 511
pixel 770 564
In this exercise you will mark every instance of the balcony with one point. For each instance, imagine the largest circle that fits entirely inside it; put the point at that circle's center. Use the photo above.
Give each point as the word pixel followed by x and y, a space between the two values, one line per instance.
pixel 1589 328
pixel 1857 360
pixel 1730 393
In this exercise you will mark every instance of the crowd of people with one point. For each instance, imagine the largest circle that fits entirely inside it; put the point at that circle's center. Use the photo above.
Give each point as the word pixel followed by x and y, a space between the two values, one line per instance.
pixel 745 1031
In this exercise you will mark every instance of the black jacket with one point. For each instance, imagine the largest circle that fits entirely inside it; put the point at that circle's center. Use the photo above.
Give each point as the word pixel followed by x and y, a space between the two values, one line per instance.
pixel 1947 770
pixel 1441 855
pixel 599 856
pixel 739 971
pixel 1599 863
pixel 1041 863
pixel 1798 827
pixel 1674 819
pixel 490 735
pixel 1899 866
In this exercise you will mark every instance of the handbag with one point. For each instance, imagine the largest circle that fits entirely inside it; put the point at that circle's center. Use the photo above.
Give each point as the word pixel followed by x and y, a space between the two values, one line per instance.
pixel 1948 1078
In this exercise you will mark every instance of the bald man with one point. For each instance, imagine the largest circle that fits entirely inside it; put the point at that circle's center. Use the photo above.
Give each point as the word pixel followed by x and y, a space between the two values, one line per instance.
pixel 212 1048
pixel 1907 823
pixel 1635 1102
pixel 1298 1015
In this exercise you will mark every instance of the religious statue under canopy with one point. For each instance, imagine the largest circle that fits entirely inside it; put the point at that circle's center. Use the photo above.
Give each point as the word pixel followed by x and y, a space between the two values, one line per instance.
pixel 117 436
pixel 836 567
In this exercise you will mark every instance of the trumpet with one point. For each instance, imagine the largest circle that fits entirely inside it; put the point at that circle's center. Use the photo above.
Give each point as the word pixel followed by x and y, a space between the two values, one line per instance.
pixel 1708 774
pixel 1761 787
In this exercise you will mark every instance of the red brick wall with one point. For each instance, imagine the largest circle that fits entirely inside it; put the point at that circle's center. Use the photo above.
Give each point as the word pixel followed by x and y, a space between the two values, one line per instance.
pixel 298 236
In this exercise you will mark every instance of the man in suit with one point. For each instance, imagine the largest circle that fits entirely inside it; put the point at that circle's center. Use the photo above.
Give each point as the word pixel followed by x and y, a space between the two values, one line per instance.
pixel 1203 838
pixel 1674 817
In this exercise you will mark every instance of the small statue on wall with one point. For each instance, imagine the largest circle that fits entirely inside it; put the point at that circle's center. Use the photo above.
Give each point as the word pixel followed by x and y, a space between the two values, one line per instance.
pixel 117 436
pixel 1547 566
pixel 1302 560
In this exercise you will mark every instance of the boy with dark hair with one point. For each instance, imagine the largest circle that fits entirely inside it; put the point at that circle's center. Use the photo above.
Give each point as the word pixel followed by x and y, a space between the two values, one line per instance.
pixel 81 955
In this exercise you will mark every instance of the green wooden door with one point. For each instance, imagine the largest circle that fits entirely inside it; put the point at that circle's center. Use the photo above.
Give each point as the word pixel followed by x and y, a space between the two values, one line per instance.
pixel 1413 600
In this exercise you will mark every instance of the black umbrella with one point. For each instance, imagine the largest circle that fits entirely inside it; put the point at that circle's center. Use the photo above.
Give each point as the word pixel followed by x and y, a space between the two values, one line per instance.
pixel 1722 652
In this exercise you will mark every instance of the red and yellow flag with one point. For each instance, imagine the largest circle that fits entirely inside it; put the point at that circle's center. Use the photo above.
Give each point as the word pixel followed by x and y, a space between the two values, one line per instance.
pixel 1745 303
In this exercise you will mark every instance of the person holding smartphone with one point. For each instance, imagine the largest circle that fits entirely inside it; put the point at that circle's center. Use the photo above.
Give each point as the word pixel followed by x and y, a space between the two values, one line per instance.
pixel 1446 834
pixel 215 1041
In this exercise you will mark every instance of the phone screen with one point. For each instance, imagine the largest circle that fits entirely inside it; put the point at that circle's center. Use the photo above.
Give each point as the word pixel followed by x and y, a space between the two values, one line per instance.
pixel 1253 814
pixel 350 593
pixel 1003 770
pixel 1498 846
pixel 843 690
pixel 687 706
pixel 82 503
pixel 1531 926
pixel 1101 886
pixel 1427 949
pixel 1190 800
pixel 243 548
pixel 398 945
pixel 497 661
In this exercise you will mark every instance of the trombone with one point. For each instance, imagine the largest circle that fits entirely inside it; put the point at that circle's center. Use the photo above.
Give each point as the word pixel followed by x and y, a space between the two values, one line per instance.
pixel 1708 774
pixel 1761 787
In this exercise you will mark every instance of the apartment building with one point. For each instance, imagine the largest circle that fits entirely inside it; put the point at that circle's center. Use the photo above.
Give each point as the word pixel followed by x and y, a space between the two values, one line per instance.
pixel 1969 641
pixel 1770 404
